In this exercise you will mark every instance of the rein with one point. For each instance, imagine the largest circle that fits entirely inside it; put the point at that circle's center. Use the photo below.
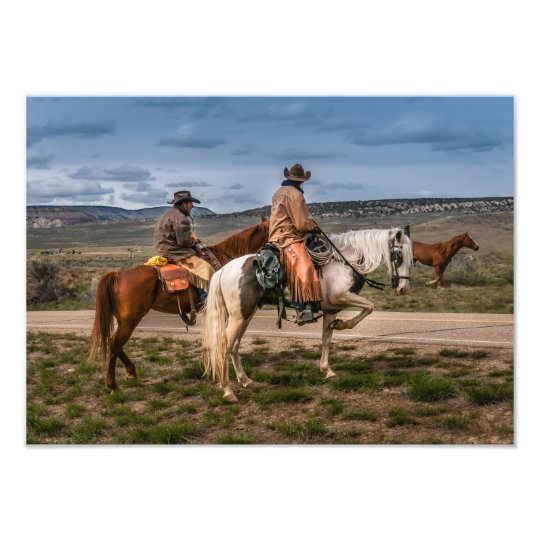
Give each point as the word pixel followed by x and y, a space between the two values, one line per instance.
pixel 211 248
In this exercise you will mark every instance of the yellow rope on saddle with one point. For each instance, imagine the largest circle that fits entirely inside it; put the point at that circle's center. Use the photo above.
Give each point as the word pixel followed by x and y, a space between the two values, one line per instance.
pixel 157 260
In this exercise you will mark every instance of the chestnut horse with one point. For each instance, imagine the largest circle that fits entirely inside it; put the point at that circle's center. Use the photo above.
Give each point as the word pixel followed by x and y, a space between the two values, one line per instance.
pixel 128 295
pixel 439 255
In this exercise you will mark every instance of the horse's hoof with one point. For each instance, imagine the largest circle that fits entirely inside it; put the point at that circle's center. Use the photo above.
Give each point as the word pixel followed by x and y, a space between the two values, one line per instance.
pixel 114 388
pixel 131 375
pixel 329 375
pixel 334 324
pixel 230 398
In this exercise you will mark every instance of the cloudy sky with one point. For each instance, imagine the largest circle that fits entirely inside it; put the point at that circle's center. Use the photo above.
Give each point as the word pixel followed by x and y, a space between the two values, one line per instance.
pixel 134 152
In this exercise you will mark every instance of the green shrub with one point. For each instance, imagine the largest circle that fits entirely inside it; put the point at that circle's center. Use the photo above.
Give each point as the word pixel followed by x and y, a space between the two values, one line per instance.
pixel 426 388
pixel 491 393
pixel 397 417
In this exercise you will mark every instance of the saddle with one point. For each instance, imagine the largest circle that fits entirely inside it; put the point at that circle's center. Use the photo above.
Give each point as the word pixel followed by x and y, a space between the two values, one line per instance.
pixel 175 280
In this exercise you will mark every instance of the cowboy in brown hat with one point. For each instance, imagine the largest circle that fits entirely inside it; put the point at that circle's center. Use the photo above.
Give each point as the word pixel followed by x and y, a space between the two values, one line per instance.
pixel 289 223
pixel 175 240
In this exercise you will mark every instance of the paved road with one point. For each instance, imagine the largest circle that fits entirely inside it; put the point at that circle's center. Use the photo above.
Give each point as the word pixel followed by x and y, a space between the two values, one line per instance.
pixel 450 329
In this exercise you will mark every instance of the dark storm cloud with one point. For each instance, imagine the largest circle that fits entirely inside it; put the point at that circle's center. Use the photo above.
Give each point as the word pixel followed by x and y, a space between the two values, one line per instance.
pixel 296 112
pixel 45 191
pixel 244 149
pixel 240 198
pixel 341 125
pixel 145 194
pixel 236 186
pixel 345 185
pixel 194 107
pixel 124 173
pixel 179 102
pixel 439 137
pixel 294 154
pixel 64 128
pixel 40 160
pixel 188 184
pixel 323 188
pixel 185 137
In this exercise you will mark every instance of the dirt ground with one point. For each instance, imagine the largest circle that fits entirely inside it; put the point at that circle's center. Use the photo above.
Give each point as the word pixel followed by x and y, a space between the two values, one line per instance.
pixel 384 394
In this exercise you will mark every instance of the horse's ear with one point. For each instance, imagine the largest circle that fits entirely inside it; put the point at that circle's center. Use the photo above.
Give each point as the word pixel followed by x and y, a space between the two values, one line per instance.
pixel 407 231
pixel 264 218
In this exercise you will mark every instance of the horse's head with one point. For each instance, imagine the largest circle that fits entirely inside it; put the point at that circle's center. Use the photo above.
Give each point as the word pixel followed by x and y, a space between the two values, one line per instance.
pixel 469 242
pixel 401 259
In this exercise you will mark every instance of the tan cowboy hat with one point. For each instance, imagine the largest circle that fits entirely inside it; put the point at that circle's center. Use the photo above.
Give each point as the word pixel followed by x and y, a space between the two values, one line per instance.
pixel 297 173
pixel 182 197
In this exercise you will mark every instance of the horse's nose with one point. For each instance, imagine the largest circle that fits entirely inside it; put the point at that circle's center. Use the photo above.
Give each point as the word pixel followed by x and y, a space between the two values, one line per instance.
pixel 477 247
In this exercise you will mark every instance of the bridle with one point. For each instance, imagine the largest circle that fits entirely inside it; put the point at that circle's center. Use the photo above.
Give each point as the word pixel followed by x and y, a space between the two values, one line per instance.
pixel 396 260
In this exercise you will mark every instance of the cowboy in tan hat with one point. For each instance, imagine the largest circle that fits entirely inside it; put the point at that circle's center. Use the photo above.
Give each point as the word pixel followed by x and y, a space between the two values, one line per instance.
pixel 289 223
pixel 175 240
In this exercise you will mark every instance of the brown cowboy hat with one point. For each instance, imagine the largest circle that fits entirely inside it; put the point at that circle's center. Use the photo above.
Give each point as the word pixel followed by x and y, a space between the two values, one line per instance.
pixel 297 173
pixel 182 197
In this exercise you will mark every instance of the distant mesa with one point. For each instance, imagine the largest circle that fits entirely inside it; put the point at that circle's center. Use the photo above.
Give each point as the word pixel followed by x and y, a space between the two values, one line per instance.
pixel 39 217
pixel 387 207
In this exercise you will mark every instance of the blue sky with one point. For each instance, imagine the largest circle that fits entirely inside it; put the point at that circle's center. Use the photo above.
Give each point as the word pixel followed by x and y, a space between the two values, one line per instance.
pixel 134 152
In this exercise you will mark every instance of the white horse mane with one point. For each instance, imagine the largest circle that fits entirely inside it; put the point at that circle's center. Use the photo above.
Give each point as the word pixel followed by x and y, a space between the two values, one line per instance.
pixel 366 249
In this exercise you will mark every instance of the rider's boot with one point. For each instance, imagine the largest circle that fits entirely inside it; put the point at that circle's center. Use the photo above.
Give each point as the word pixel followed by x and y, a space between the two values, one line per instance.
pixel 305 315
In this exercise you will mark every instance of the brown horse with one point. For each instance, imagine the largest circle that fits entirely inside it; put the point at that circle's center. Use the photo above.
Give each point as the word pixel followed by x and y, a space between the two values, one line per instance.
pixel 128 295
pixel 439 255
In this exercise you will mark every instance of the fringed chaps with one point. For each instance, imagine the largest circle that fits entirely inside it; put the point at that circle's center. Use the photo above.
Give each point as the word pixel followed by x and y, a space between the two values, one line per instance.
pixel 302 279
pixel 199 270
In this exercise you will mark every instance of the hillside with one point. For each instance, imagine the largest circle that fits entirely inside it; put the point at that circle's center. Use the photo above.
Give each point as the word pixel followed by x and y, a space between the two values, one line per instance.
pixel 386 207
pixel 48 217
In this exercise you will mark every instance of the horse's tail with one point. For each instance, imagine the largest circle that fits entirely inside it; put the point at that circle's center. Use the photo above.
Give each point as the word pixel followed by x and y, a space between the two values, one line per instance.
pixel 106 309
pixel 214 339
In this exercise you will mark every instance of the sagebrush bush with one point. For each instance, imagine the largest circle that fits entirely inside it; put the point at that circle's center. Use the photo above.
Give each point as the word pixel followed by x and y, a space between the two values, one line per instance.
pixel 44 284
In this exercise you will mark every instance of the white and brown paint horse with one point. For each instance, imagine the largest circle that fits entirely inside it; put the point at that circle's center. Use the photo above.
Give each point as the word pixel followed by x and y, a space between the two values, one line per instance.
pixel 235 295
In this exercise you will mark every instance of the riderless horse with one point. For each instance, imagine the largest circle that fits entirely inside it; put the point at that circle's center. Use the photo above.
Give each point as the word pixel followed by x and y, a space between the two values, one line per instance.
pixel 128 295
pixel 235 295
pixel 439 255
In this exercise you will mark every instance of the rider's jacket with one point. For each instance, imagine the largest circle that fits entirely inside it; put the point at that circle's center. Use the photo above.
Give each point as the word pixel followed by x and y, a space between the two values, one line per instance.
pixel 173 235
pixel 289 220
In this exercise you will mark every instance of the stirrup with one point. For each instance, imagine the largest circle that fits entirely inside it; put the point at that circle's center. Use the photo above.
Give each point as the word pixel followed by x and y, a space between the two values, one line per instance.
pixel 307 317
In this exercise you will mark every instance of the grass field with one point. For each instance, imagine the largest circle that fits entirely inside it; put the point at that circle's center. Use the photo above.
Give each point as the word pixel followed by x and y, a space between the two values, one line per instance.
pixel 383 395
pixel 474 282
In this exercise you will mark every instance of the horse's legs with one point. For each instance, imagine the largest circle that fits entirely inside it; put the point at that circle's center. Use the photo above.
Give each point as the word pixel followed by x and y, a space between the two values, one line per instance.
pixel 439 269
pixel 328 318
pixel 128 364
pixel 122 334
pixel 352 300
pixel 241 376
pixel 235 329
